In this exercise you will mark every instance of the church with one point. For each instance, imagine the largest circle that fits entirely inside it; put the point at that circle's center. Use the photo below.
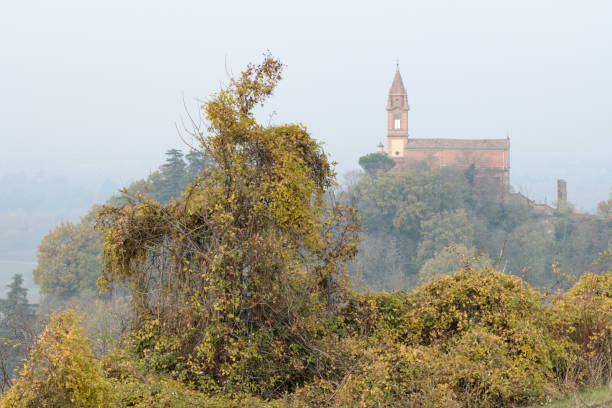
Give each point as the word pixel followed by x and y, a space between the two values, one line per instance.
pixel 490 157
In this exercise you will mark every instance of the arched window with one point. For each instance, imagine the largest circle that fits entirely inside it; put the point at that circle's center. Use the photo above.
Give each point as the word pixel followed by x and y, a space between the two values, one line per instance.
pixel 397 123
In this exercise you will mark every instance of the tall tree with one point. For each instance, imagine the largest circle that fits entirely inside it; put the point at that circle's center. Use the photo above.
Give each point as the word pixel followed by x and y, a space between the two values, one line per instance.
pixel 196 162
pixel 17 329
pixel 374 163
pixel 604 209
pixel 441 230
pixel 397 202
pixel 68 259
pixel 16 302
pixel 171 179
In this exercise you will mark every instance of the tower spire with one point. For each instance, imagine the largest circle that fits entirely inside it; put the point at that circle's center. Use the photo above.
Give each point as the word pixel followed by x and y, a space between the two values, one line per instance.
pixel 397 87
pixel 397 116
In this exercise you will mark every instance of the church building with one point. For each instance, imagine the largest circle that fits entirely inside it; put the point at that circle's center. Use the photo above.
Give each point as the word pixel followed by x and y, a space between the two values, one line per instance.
pixel 490 157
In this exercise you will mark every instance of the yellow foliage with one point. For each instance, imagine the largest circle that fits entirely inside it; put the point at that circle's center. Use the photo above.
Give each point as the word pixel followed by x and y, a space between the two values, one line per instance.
pixel 232 283
pixel 60 371
pixel 582 317
pixel 476 338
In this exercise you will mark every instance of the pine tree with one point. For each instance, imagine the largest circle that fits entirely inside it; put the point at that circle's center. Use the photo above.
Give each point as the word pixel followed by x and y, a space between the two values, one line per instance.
pixel 171 181
pixel 16 302
pixel 195 164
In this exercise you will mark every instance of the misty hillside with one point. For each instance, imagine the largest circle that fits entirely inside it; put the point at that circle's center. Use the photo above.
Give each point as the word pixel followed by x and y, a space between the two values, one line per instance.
pixel 30 207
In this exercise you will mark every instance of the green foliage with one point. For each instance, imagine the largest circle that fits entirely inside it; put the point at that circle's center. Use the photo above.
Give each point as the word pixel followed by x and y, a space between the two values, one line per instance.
pixel 374 163
pixel 397 202
pixel 17 319
pixel 532 258
pixel 410 214
pixel 16 302
pixel 470 174
pixel 131 192
pixel 104 316
pixel 598 397
pixel 68 259
pixel 477 338
pixel 442 230
pixel 452 259
pixel 604 209
pixel 404 216
pixel 60 370
pixel 195 163
pixel 160 392
pixel 169 181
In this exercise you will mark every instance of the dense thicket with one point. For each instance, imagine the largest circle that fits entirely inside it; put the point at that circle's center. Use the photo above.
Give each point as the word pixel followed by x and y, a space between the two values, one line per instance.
pixel 476 338
pixel 411 216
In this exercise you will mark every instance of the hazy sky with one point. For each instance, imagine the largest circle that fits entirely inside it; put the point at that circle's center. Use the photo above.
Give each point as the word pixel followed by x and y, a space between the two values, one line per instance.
pixel 93 90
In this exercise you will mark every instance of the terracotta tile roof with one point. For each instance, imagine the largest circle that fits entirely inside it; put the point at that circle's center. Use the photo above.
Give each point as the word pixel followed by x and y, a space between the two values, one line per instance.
pixel 397 87
pixel 475 144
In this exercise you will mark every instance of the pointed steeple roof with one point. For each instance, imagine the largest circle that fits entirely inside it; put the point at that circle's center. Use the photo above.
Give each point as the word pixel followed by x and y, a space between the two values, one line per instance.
pixel 397 87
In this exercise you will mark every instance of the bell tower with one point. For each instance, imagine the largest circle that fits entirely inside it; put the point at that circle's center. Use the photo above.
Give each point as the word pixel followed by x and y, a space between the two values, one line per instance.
pixel 397 117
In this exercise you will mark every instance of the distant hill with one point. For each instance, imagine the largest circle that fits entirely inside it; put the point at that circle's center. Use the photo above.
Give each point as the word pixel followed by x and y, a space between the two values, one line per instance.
pixel 30 207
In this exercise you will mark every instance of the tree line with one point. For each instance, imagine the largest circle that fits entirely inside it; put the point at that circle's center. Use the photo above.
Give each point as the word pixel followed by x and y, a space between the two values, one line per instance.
pixel 416 219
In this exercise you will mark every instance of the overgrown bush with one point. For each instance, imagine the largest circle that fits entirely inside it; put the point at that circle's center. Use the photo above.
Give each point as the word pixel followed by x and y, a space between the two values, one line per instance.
pixel 236 284
pixel 60 371
pixel 582 317
pixel 477 338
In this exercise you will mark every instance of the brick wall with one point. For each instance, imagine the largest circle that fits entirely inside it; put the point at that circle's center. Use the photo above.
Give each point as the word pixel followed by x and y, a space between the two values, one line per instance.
pixel 461 158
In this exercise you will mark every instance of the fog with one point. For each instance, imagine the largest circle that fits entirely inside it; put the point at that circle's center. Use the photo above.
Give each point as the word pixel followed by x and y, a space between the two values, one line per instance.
pixel 93 91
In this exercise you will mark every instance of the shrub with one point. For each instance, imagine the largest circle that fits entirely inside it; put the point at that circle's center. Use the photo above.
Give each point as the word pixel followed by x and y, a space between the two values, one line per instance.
pixel 582 317
pixel 477 338
pixel 159 392
pixel 61 370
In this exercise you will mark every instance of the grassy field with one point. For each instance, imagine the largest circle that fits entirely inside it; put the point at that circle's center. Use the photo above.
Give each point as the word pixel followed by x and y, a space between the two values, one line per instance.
pixel 598 398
